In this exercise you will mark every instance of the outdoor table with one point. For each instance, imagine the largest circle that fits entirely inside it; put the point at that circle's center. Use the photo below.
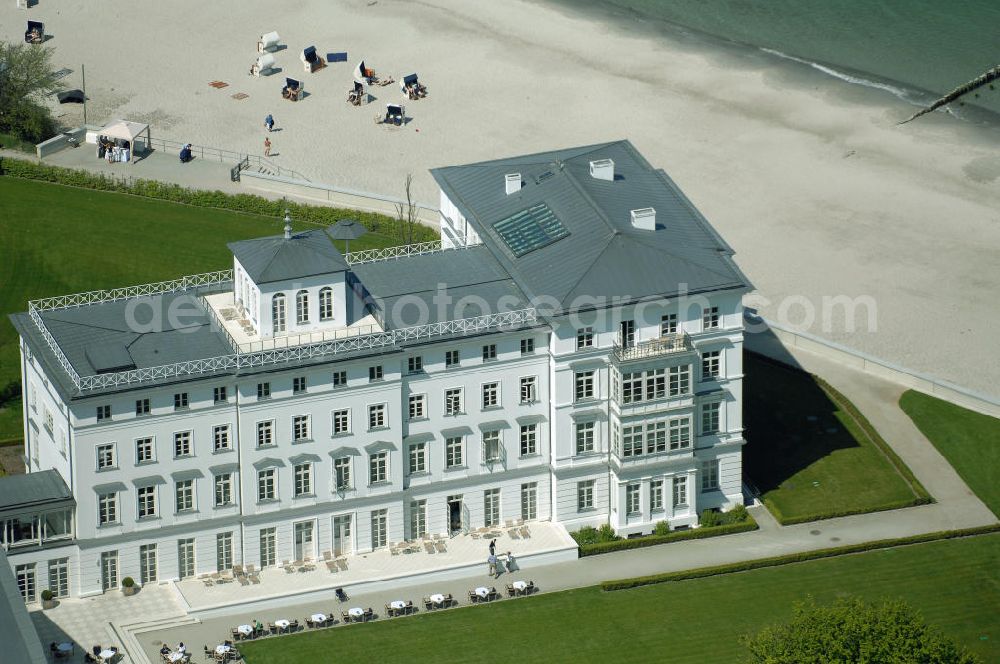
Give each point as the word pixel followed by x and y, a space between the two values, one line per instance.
pixel 281 624
pixel 175 656
pixel 437 599
pixel 397 604
pixel 318 618
pixel 245 630
pixel 221 649
pixel 356 612
pixel 106 655
pixel 483 592
pixel 520 586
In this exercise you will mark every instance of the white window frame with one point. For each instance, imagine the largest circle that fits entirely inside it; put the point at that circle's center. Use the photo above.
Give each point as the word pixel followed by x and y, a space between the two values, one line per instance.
pixel 585 495
pixel 454 451
pixel 417 458
pixel 265 434
pixel 633 498
pixel 340 422
pixel 302 484
pixel 145 502
pixel 342 473
pixel 418 407
pixel 378 468
pixel 529 440
pixel 491 395
pixel 267 485
pixel 529 389
pixel 378 416
pixel 107 456
pixel 453 401
pixel 183 444
pixel 223 442
pixel 325 304
pixel 184 500
pixel 302 307
pixel 585 433
pixel 223 489
pixel 301 428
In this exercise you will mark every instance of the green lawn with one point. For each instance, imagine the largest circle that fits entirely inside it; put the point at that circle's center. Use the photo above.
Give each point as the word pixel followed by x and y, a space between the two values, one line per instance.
pixel 954 583
pixel 57 240
pixel 12 142
pixel 806 455
pixel 969 441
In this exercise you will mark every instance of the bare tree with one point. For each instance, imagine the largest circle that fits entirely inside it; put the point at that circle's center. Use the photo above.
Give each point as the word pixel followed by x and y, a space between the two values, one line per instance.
pixel 406 214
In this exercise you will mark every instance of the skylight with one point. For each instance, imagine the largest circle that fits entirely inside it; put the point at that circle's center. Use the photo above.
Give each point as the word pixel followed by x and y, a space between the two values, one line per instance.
pixel 530 229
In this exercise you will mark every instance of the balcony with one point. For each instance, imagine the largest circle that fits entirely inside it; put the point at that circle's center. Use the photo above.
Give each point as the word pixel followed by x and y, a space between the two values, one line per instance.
pixel 666 345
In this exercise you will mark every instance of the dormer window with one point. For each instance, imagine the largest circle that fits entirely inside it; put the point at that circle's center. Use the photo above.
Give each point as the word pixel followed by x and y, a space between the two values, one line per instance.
pixel 326 303
pixel 278 312
pixel 302 307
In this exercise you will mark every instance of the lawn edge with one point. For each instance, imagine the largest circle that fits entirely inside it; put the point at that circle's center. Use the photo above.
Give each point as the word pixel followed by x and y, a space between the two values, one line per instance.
pixel 600 548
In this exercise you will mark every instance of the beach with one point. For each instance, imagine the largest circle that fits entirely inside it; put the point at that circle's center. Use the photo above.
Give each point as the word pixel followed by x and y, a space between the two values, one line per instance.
pixel 808 178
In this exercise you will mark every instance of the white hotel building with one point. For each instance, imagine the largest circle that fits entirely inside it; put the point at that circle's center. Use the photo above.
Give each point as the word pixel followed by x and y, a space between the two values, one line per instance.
pixel 571 352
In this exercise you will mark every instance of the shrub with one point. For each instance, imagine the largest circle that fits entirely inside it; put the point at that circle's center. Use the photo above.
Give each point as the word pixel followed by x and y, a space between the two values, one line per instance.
pixel 674 536
pixel 710 519
pixel 662 528
pixel 128 582
pixel 606 533
pixel 46 595
pixel 736 515
pixel 586 535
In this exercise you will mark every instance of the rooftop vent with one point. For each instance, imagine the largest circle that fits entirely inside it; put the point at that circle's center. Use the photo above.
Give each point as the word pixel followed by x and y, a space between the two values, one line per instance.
pixel 603 169
pixel 644 219
pixel 513 182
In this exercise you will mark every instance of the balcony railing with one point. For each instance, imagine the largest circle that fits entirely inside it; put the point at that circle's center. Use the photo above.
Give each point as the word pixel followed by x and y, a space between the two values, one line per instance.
pixel 666 345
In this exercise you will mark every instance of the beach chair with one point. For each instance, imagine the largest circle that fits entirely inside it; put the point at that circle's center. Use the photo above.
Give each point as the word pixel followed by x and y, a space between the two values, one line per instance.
pixel 263 65
pixel 356 97
pixel 35 33
pixel 268 42
pixel 311 61
pixel 293 90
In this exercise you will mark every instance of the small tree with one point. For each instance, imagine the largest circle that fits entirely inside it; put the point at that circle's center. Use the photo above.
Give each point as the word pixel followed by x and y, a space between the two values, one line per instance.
pixel 406 214
pixel 853 631
pixel 26 79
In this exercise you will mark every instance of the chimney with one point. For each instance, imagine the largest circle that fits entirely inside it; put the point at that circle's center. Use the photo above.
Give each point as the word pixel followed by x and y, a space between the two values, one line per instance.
pixel 513 183
pixel 288 225
pixel 644 219
pixel 603 169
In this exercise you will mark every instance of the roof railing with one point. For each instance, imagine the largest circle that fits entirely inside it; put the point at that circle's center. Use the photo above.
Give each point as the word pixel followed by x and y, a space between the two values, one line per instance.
pixel 388 253
pixel 100 296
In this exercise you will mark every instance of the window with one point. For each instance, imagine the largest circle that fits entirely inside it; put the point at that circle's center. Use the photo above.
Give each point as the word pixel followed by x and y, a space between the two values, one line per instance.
pixel 418 458
pixel 584 338
pixel 303 479
pixel 109 570
pixel 223 489
pixel 184 490
pixel 376 416
pixel 584 385
pixel 141 407
pixel 326 303
pixel 298 385
pixel 265 433
pixel 656 496
pixel 223 551
pixel 418 518
pixel 265 484
pixel 710 417
pixel 680 380
pixel 263 390
pixel 341 422
pixel 268 546
pixel 710 364
pixel 378 467
pixel 103 413
pixel 668 324
pixel 491 395
pixel 453 452
pixel 374 373
pixel 146 501
pixel 185 558
pixel 219 394
pixel 220 436
pixel 680 491
pixel 48 421
pixel 379 528
pixel 106 456
pixel 529 501
pixel 342 473
pixel 710 475
pixel 527 346
pixel 491 446
pixel 147 564
pixel 489 352
pixel 626 331
pixel 529 391
pixel 278 313
pixel 180 400
pixel 632 440
pixel 414 364
pixel 339 378
pixel 144 450
pixel 585 495
pixel 632 498
pixel 107 508
pixel 182 444
pixel 710 318
pixel 453 401
pixel 491 507
pixel 529 439
pixel 585 437
pixel 451 358
pixel 643 385
pixel 26 581
pixel 680 433
pixel 656 437
pixel 300 428
pixel 418 406
pixel 302 307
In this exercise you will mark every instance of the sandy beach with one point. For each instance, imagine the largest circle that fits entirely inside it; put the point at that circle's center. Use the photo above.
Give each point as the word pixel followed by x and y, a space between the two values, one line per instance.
pixel 810 180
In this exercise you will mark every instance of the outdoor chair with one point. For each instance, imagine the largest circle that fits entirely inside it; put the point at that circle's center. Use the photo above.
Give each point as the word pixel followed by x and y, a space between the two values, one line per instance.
pixel 510 590
pixel 345 616
pixel 272 628
pixel 448 599
pixel 513 534
pixel 331 566
pixel 310 624
pixel 235 634
pixel 389 611
pixel 369 614
pixel 342 564
pixel 409 606
pixel 441 547
pixel 530 588
pixel 311 61
pixel 473 597
pixel 293 626
pixel 429 547
pixel 428 604
pixel 35 34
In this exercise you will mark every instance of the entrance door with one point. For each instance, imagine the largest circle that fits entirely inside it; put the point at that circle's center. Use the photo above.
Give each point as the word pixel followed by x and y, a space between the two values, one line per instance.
pixel 454 515
pixel 109 570
pixel 342 535
pixel 304 548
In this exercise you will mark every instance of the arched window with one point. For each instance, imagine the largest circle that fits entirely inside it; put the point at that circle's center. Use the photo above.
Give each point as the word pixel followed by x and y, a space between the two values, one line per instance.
pixel 326 303
pixel 278 313
pixel 302 307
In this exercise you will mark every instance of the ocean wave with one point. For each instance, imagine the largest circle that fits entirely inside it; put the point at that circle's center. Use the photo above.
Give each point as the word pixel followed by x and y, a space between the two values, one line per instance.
pixel 900 93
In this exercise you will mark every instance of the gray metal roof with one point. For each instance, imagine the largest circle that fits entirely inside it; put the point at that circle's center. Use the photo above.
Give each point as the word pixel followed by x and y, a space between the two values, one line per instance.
pixel 32 490
pixel 17 631
pixel 602 255
pixel 305 254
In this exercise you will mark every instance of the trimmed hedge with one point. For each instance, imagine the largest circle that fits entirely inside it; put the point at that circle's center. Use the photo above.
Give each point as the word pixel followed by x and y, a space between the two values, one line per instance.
pixel 246 203
pixel 774 561
pixel 676 536
pixel 806 518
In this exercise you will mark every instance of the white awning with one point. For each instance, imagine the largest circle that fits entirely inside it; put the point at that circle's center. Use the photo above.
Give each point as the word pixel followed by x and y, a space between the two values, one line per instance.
pixel 123 129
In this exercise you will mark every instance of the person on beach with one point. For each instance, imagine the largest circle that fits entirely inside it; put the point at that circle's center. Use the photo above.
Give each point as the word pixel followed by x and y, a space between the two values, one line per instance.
pixel 269 122
pixel 267 147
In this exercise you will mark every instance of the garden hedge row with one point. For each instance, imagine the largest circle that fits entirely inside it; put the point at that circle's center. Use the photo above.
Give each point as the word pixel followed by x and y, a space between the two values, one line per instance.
pixel 679 535
pixel 806 518
pixel 746 565
pixel 246 203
